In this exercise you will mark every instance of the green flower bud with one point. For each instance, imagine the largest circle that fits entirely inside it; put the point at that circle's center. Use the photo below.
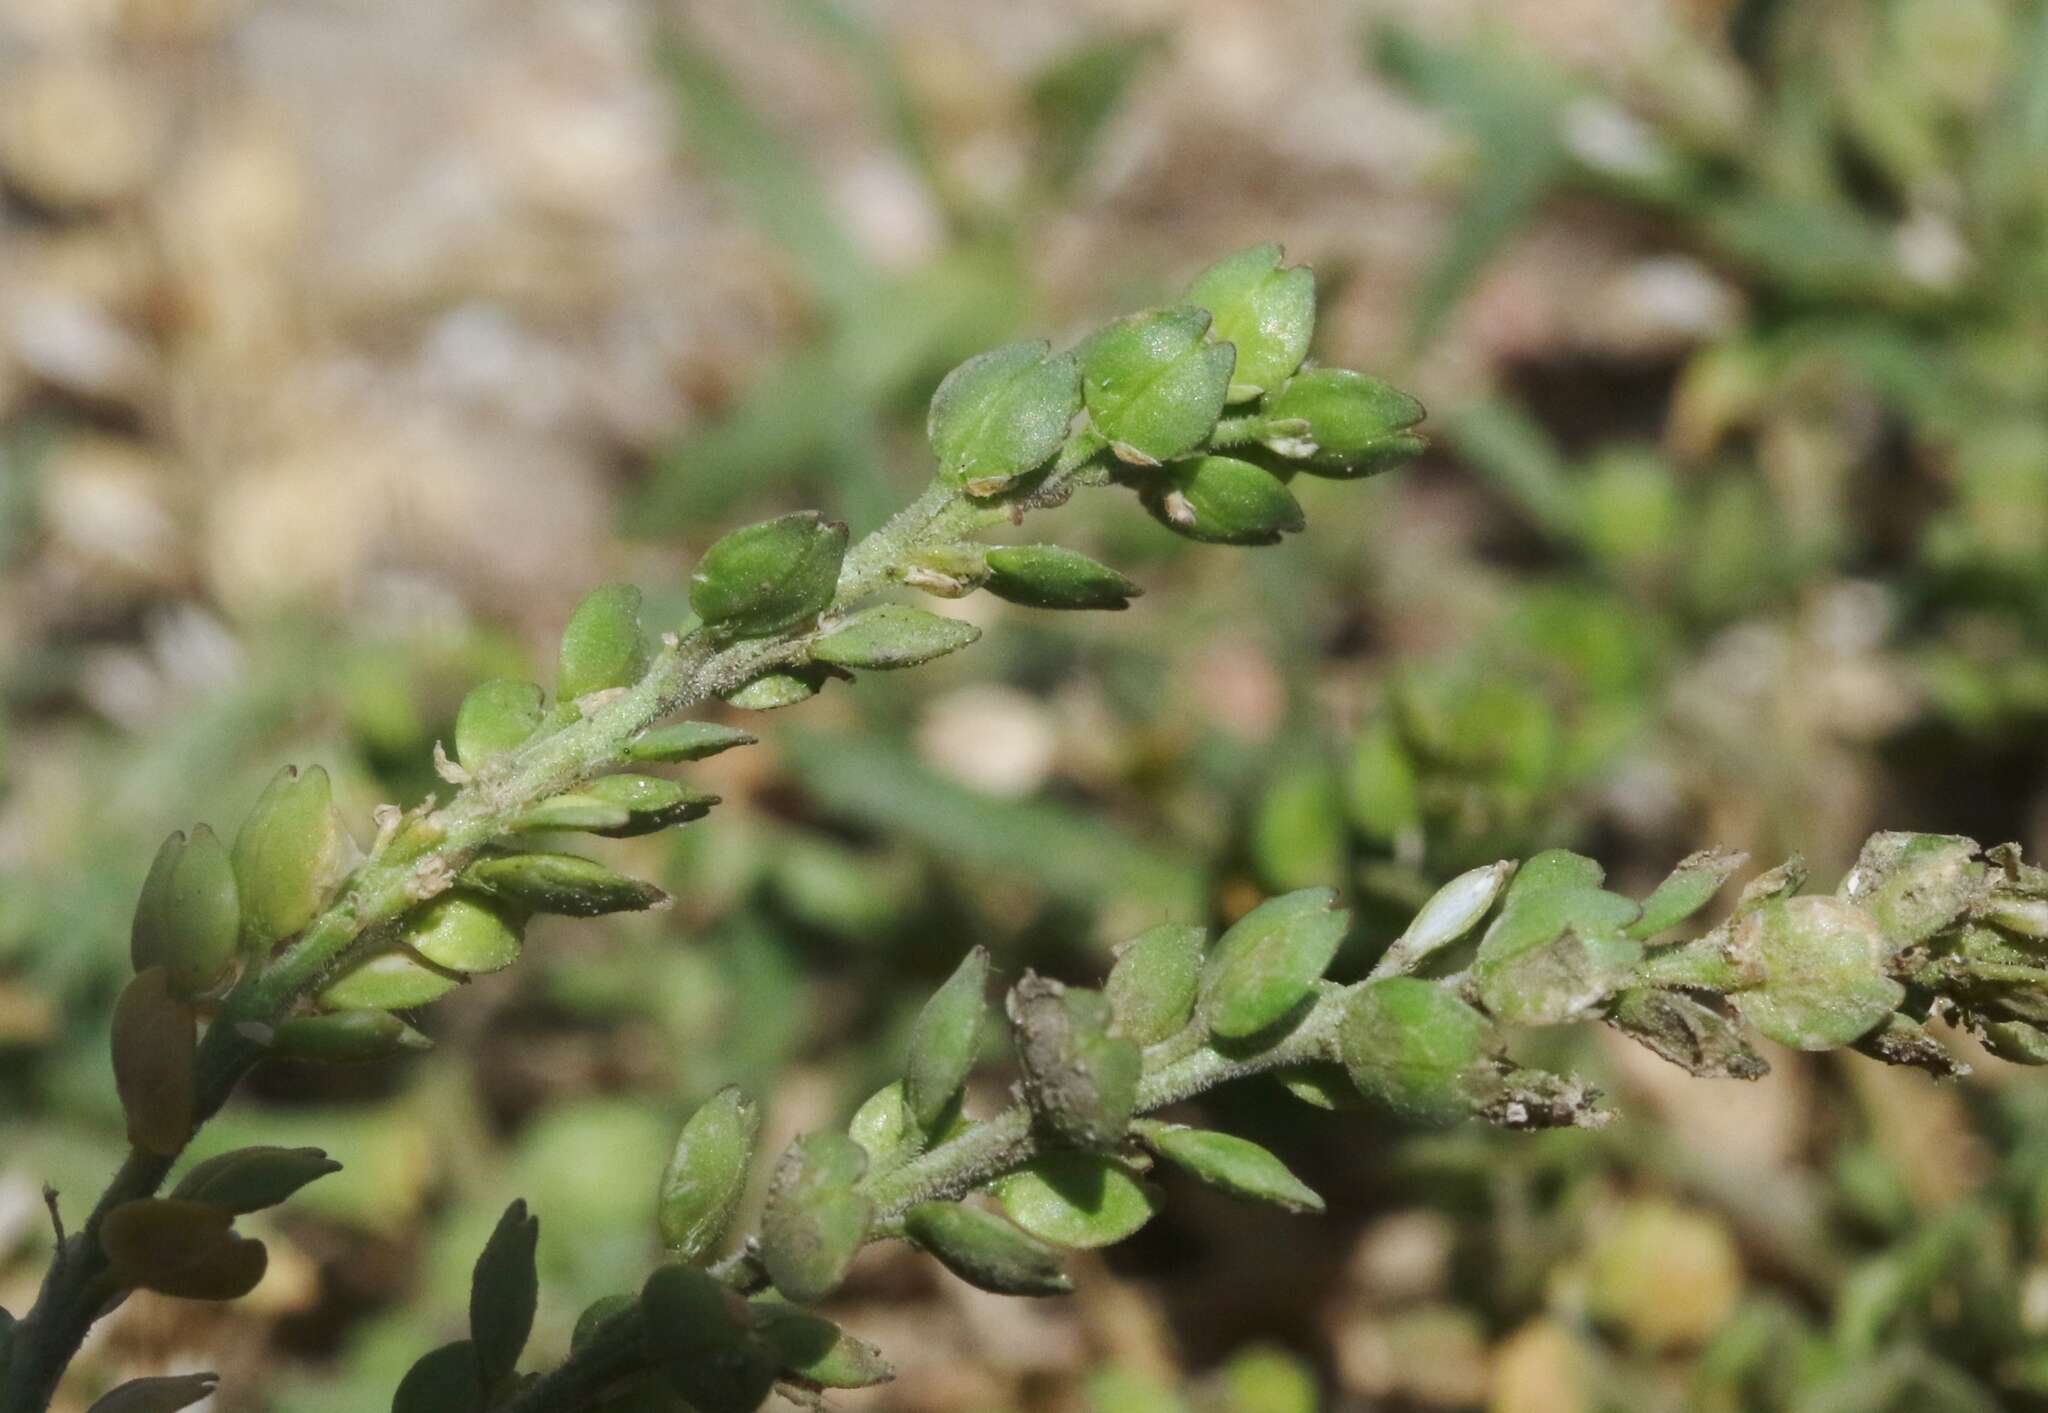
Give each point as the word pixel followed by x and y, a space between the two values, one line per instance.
pixel 650 802
pixel 1080 1078
pixel 1154 385
pixel 1221 500
pixel 1267 313
pixel 1916 885
pixel 495 719
pixel 986 1251
pixel 182 1248
pixel 250 1179
pixel 1002 414
pixel 392 980
pixel 504 1291
pixel 164 1394
pixel 290 852
pixel 156 1035
pixel 1413 1047
pixel 707 1174
pixel 1696 1038
pixel 560 883
pixel 892 635
pixel 465 932
pixel 1696 880
pixel 816 1221
pixel 2017 1041
pixel 1048 576
pixel 815 1352
pixel 1825 982
pixel 1334 422
pixel 1152 987
pixel 602 646
pixel 1077 1199
pixel 443 1380
pixel 686 741
pixel 772 691
pixel 1451 913
pixel 944 1040
pixel 1270 960
pixel 188 919
pixel 702 1336
pixel 766 578
pixel 1230 1164
pixel 346 1037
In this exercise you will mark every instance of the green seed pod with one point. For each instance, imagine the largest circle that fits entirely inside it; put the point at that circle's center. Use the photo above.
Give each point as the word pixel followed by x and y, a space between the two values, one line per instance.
pixel 602 646
pixel 686 741
pixel 346 1037
pixel 251 1179
pixel 1230 1164
pixel 769 577
pixel 1048 576
pixel 1153 985
pixel 815 1352
pixel 2017 1041
pixel 1077 1199
pixel 560 883
pixel 701 1335
pixel 772 691
pixel 156 1035
pixel 504 1292
pixel 1449 915
pixel 181 1248
pixel 1267 313
pixel 1334 422
pixel 1413 1047
pixel 147 935
pixel 707 1174
pixel 465 932
pixel 1916 885
pixel 1694 1037
pixel 164 1394
pixel 1221 500
pixel 650 802
pixel 815 1222
pixel 1696 880
pixel 1269 961
pixel 1825 982
pixel 986 1251
pixel 199 916
pixel 1080 1077
pixel 1154 385
pixel 892 635
pixel 444 1380
pixel 495 719
pixel 289 852
pixel 944 1040
pixel 392 980
pixel 1002 414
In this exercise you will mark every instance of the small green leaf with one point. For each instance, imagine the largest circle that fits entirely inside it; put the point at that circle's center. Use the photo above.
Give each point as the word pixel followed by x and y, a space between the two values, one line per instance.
pixel 202 917
pixel 1230 1164
pixel 892 635
pixel 701 1335
pixel 886 1128
pixel 289 851
pixel 251 1179
pixel 686 741
pixel 1050 576
pixel 1691 885
pixel 815 1222
pixel 444 1380
pixel 944 1040
pixel 504 1292
pixel 816 1352
pixel 1154 385
pixel 1153 985
pixel 1002 414
pixel 392 980
pixel 985 1251
pixel 1551 892
pixel 1269 961
pixel 155 1040
pixel 1080 1078
pixel 1335 422
pixel 1413 1047
pixel 1825 982
pixel 707 1174
pixel 1323 1086
pixel 560 883
pixel 650 802
pixel 165 1394
pixel 496 718
pixel 580 812
pixel 1077 1199
pixel 603 646
pixel 1221 500
pixel 147 934
pixel 464 931
pixel 769 577
pixel 1267 313
pixel 346 1037
pixel 1696 1038
pixel 772 691
pixel 2017 1041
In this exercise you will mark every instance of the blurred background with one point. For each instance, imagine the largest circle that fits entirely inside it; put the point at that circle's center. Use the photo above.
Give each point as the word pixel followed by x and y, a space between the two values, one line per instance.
pixel 344 344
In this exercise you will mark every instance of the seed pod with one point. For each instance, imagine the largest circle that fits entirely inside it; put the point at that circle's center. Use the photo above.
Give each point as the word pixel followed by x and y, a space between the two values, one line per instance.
pixel 986 1251
pixel 156 1036
pixel 1080 1078
pixel 602 646
pixel 1049 576
pixel 391 980
pixel 650 802
pixel 496 718
pixel 772 691
pixel 504 1291
pixel 346 1037
pixel 892 635
pixel 165 1394
pixel 1077 1199
pixel 560 883
pixel 815 1222
pixel 1230 1164
pixel 195 918
pixel 1267 313
pixel 701 1336
pixel 1915 885
pixel 1451 913
pixel 944 1040
pixel 464 931
pixel 686 741
pixel 1269 961
pixel 1825 982
pixel 707 1174
pixel 1002 414
pixel 1154 385
pixel 1413 1047
pixel 1696 1038
pixel 1221 500
pixel 1340 423
pixel 1697 879
pixel 251 1179
pixel 289 852
pixel 769 577
pixel 1153 985
pixel 181 1248
pixel 444 1380
pixel 815 1352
